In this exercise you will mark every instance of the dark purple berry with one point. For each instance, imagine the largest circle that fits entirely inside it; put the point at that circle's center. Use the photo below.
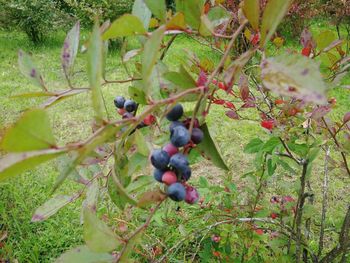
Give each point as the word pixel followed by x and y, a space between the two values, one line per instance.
pixel 185 173
pixel 179 162
pixel 197 135
pixel 174 124
pixel 177 192
pixel 175 113
pixel 160 159
pixel 158 174
pixel 130 105
pixel 192 195
pixel 179 136
pixel 119 102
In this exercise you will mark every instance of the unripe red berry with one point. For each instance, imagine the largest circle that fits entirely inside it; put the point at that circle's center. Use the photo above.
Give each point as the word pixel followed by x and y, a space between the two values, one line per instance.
pixel 169 177
pixel 149 119
pixel 170 149
pixel 268 124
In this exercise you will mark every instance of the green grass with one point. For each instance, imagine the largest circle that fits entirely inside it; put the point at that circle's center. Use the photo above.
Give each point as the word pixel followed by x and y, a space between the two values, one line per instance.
pixel 71 120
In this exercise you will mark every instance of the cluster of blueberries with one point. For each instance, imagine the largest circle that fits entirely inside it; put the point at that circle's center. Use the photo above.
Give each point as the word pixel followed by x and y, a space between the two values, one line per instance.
pixel 171 166
pixel 127 109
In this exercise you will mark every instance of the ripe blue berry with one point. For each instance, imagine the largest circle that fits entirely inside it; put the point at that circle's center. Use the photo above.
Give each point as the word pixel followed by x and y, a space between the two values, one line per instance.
pixel 179 162
pixel 130 105
pixel 185 173
pixel 160 159
pixel 119 102
pixel 175 113
pixel 158 174
pixel 174 124
pixel 197 135
pixel 179 136
pixel 177 192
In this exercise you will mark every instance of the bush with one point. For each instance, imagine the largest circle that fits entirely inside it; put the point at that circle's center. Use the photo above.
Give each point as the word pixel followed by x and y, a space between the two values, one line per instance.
pixel 35 18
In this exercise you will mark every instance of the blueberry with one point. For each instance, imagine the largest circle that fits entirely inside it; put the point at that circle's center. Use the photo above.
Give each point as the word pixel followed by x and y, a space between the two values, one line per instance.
pixel 185 173
pixel 179 136
pixel 174 124
pixel 130 105
pixel 175 113
pixel 119 102
pixel 197 135
pixel 160 159
pixel 158 174
pixel 127 115
pixel 179 162
pixel 177 192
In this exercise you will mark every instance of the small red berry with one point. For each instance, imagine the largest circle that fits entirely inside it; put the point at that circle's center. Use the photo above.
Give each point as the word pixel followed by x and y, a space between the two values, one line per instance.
pixel 169 177
pixel 214 81
pixel 216 238
pixel 278 102
pixel 255 40
pixel 259 231
pixel 268 124
pixel 149 120
pixel 306 51
pixel 273 215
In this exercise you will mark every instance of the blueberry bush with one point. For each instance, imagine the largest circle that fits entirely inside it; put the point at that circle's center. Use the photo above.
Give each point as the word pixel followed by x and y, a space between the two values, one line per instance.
pixel 162 123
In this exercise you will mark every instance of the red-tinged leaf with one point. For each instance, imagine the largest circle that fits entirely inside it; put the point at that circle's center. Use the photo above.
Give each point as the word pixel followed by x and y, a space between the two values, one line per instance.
pixel 51 207
pixel 232 114
pixel 151 197
pixel 176 22
pixel 29 70
pixel 251 10
pixel 230 105
pixel 320 112
pixel 346 117
pixel 306 39
pixel 70 49
pixel 202 79
pixel 250 103
pixel 219 101
pixel 243 87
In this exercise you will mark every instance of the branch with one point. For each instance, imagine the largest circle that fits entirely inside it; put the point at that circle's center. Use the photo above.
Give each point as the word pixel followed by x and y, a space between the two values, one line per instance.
pixel 290 155
pixel 338 144
pixel 324 201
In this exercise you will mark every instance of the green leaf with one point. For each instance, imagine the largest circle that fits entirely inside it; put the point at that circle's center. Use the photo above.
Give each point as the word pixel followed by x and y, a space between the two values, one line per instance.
pixel 206 28
pixel 70 49
pixel 29 70
pixel 150 197
pixel 218 15
pixel 150 56
pixel 34 94
pixel 286 166
pixel 140 10
pixel 203 182
pixel 102 136
pixel 15 163
pixel 209 150
pixel 295 76
pixel 185 81
pixel 271 144
pixel 251 10
pixel 253 146
pixel 137 93
pixel 192 11
pixel 31 132
pixel 273 15
pixel 271 167
pixel 92 194
pixel 313 153
pixel 126 25
pixel 300 149
pixel 137 162
pixel 51 207
pixel 324 39
pixel 82 254
pixel 141 143
pixel 158 8
pixel 140 183
pixel 95 72
pixel 97 235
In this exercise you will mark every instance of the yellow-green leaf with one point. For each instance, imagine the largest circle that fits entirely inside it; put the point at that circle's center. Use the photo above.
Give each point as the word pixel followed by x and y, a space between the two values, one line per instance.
pixel 29 70
pixel 295 76
pixel 192 11
pixel 31 132
pixel 324 39
pixel 97 235
pixel 94 69
pixel 158 8
pixel 126 25
pixel 273 15
pixel 82 254
pixel 251 10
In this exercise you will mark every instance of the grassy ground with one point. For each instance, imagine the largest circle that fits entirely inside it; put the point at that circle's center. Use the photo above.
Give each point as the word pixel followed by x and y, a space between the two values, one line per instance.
pixel 42 242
